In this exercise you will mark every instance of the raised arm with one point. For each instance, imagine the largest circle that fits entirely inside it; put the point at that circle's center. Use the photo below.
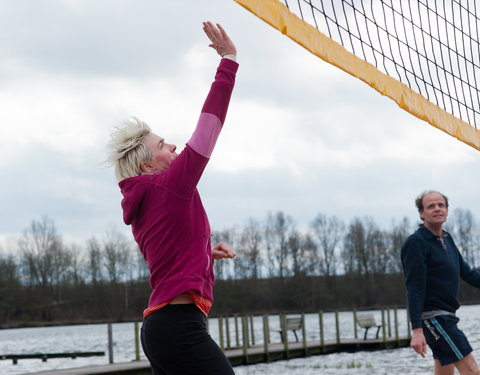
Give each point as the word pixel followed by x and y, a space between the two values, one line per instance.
pixel 220 40
pixel 215 107
pixel 186 170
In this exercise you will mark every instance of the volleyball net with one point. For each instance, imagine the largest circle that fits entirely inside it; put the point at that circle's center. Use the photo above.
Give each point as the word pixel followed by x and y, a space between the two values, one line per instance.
pixel 424 54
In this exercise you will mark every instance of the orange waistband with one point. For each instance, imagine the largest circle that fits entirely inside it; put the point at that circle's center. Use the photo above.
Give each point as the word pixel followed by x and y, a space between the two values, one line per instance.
pixel 201 302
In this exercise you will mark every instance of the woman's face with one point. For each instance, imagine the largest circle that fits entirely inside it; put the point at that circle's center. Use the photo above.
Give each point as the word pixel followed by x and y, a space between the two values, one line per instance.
pixel 162 153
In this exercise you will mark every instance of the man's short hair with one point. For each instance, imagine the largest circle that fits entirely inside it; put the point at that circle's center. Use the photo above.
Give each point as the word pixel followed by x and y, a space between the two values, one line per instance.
pixel 419 200
pixel 127 149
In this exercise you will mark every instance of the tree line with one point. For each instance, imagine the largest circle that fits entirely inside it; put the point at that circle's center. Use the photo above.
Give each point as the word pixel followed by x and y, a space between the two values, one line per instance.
pixel 280 266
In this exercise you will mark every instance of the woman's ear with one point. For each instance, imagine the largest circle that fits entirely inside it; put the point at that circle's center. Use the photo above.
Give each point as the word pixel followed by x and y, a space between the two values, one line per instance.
pixel 147 167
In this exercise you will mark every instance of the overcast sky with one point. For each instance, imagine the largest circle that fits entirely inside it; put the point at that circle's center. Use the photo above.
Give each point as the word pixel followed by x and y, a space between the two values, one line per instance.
pixel 301 136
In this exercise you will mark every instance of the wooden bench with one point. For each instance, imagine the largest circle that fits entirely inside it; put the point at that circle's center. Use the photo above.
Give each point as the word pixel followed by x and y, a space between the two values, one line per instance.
pixel 291 324
pixel 367 321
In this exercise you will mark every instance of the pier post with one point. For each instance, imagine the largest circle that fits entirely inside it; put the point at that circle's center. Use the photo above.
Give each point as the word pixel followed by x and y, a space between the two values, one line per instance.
pixel 137 342
pixel 384 329
pixel 252 331
pixel 110 343
pixel 245 338
pixel 220 332
pixel 227 329
pixel 237 335
pixel 395 316
pixel 355 329
pixel 266 337
pixel 320 323
pixel 337 327
pixel 304 336
pixel 283 326
pixel 280 324
pixel 389 323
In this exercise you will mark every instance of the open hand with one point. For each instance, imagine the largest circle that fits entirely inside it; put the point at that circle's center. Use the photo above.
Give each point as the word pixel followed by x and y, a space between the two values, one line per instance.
pixel 221 42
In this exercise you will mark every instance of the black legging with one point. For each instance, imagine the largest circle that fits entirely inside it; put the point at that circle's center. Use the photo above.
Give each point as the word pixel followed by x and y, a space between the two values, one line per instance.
pixel 176 342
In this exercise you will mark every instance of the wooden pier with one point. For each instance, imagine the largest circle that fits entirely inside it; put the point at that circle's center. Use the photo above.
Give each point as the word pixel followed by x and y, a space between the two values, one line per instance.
pixel 240 341
pixel 276 352
pixel 45 356
pixel 250 356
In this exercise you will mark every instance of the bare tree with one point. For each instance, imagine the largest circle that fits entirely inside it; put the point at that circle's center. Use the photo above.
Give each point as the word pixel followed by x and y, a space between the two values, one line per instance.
pixel 116 249
pixel 9 286
pixel 462 225
pixel 8 271
pixel 377 243
pixel 327 233
pixel 476 247
pixel 143 272
pixel 94 268
pixel 278 229
pixel 249 249
pixel 77 268
pixel 354 250
pixel 303 253
pixel 365 247
pixel 45 261
pixel 396 237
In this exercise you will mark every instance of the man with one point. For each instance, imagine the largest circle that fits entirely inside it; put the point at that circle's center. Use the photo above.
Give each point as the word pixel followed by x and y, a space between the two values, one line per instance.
pixel 433 267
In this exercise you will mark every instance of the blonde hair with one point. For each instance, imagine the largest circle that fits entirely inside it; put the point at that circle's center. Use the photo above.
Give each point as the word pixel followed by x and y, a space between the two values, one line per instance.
pixel 126 148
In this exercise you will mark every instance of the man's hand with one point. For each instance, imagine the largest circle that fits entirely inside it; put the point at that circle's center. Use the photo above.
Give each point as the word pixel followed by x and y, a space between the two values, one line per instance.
pixel 220 40
pixel 418 342
pixel 223 250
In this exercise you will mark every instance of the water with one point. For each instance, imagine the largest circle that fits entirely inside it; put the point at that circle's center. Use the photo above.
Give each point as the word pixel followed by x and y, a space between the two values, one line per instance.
pixel 94 338
pixel 396 361
pixel 85 338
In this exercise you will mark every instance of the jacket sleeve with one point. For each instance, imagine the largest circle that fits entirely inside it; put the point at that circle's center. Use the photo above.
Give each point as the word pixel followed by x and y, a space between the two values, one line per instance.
pixel 414 260
pixel 185 171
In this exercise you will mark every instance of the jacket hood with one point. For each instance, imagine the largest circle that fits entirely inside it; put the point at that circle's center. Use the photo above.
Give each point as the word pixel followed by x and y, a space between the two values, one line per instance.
pixel 133 190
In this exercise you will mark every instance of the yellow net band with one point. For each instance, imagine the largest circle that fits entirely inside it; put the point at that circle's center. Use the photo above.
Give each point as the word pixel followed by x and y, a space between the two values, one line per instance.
pixel 279 16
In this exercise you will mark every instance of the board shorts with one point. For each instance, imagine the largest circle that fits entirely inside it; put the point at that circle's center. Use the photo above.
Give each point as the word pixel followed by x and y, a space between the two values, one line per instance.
pixel 447 342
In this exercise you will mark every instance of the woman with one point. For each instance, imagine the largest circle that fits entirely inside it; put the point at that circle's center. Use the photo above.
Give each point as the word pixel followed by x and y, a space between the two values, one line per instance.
pixel 169 223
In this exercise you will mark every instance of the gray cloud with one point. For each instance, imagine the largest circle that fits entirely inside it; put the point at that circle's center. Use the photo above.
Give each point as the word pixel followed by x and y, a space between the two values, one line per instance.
pixel 301 136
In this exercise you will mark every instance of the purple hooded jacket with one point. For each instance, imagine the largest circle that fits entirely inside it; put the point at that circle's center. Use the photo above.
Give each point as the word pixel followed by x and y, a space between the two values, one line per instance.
pixel 166 213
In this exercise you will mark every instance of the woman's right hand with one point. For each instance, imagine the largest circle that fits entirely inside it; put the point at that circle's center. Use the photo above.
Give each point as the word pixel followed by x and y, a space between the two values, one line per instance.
pixel 221 42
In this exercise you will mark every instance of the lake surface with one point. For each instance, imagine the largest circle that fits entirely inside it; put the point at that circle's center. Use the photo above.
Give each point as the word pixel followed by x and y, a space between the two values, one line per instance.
pixel 94 338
